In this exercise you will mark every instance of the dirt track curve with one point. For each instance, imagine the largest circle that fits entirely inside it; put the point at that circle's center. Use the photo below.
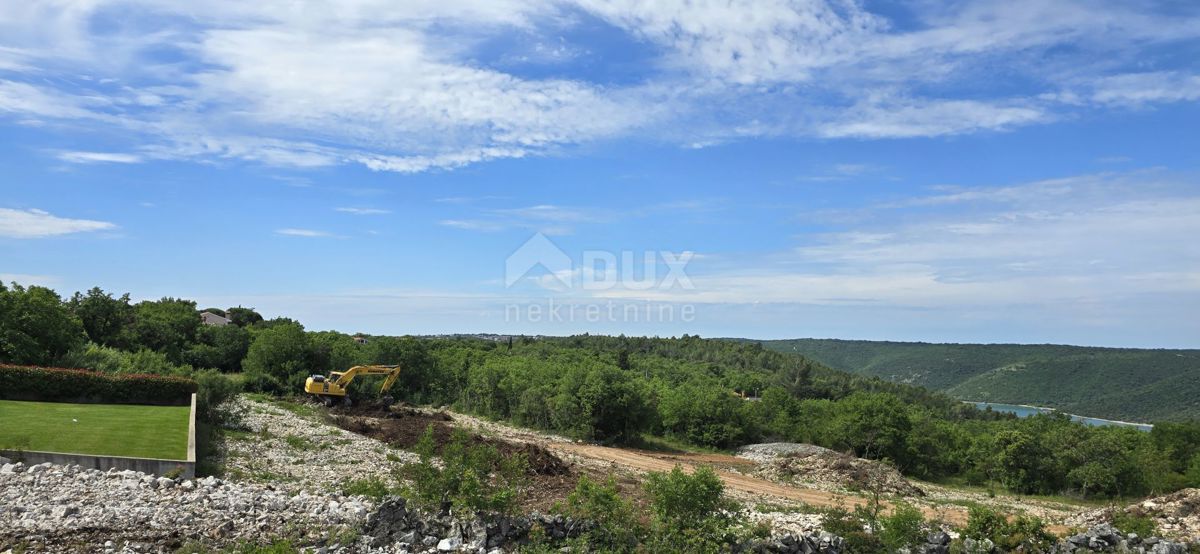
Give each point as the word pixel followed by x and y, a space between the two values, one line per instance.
pixel 656 461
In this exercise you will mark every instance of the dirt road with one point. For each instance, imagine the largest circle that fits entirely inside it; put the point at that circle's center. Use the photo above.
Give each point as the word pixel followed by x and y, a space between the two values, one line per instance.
pixel 643 460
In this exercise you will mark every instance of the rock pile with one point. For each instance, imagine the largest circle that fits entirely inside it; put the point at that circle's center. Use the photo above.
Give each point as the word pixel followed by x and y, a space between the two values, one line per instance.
pixel 297 453
pixel 395 525
pixel 1104 538
pixel 825 468
pixel 63 508
pixel 1176 515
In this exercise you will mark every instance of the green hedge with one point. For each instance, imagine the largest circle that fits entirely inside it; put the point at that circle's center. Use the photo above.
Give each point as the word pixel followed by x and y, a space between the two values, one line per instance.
pixel 80 385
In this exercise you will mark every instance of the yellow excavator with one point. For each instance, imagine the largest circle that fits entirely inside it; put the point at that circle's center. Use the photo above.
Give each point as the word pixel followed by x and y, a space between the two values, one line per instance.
pixel 332 389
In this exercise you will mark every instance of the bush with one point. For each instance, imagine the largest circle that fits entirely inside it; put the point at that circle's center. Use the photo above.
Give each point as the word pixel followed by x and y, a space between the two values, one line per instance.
pixel 214 391
pixel 471 477
pixel 905 527
pixel 617 527
pixel 852 526
pixel 1026 532
pixel 371 487
pixel 691 512
pixel 76 385
pixel 1128 522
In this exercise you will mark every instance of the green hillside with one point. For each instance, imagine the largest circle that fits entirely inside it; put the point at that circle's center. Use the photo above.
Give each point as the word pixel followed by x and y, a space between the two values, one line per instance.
pixel 1116 383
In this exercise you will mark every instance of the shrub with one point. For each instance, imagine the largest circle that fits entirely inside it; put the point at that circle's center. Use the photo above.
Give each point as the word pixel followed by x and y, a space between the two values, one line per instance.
pixel 905 527
pixel 471 477
pixel 617 527
pixel 691 513
pixel 214 391
pixel 1026 532
pixel 77 385
pixel 371 487
pixel 852 527
pixel 1130 522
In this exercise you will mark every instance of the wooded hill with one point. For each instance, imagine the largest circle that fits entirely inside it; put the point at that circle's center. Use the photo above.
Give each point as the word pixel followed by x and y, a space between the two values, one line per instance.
pixel 1127 384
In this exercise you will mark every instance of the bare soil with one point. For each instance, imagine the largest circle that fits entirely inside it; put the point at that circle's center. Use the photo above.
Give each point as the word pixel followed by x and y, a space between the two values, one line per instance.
pixel 550 478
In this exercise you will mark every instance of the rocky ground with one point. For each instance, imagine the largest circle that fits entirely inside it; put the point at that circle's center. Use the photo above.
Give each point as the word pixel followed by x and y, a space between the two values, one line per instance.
pixel 69 509
pixel 1176 515
pixel 291 446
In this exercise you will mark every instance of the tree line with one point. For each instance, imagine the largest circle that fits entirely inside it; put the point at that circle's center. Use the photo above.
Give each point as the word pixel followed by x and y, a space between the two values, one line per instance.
pixel 712 393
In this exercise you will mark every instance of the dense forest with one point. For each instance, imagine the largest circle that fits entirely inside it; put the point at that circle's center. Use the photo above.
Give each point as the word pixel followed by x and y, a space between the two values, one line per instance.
pixel 1126 384
pixel 705 392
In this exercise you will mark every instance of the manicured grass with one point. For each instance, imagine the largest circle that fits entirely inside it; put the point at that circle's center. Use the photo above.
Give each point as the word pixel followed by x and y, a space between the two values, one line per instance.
pixel 103 429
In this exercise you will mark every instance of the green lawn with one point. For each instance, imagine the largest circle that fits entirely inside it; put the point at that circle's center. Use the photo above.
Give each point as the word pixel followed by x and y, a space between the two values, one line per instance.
pixel 104 429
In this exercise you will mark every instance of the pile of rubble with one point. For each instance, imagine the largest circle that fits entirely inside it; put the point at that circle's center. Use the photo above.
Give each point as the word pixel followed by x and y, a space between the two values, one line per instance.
pixel 1176 515
pixel 825 469
pixel 296 452
pixel 54 508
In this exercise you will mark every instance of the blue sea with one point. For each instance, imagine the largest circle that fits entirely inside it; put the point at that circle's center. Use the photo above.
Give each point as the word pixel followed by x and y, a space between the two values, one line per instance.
pixel 1026 411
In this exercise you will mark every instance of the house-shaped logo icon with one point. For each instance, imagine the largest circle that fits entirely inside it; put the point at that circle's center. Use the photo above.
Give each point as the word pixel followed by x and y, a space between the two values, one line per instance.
pixel 538 251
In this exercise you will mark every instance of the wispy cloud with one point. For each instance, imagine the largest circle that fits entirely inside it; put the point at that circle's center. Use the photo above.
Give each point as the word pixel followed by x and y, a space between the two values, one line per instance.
pixel 28 279
pixel 841 172
pixel 312 233
pixel 99 157
pixel 34 223
pixel 363 211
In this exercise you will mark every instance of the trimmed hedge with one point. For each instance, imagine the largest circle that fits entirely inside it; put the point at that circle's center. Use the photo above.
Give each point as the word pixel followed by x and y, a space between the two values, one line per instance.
pixel 81 385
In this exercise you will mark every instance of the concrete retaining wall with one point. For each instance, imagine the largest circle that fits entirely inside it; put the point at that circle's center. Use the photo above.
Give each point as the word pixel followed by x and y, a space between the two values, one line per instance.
pixel 104 463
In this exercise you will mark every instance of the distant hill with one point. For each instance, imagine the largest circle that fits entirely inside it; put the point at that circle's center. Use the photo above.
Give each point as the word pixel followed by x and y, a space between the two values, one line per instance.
pixel 1126 384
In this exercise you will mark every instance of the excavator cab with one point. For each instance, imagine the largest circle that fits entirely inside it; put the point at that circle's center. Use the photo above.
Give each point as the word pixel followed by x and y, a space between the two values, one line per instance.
pixel 333 389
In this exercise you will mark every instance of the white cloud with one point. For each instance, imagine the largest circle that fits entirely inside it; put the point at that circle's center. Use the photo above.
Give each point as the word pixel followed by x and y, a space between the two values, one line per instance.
pixel 33 223
pixel 293 232
pixel 1136 89
pixel 98 157
pixel 1108 239
pixel 411 88
pixel 363 211
pixel 923 118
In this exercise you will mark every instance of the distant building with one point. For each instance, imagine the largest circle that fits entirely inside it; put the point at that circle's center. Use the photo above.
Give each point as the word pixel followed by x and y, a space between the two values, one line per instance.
pixel 209 318
pixel 360 340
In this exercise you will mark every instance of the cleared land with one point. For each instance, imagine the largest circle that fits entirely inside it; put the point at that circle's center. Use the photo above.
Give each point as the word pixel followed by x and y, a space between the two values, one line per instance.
pixel 102 429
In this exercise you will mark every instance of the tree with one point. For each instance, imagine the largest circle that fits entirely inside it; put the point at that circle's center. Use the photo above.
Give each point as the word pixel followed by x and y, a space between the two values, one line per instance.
pixel 704 414
pixel 243 317
pixel 35 326
pixel 874 425
pixel 167 325
pixel 1020 459
pixel 106 320
pixel 281 354
pixel 219 347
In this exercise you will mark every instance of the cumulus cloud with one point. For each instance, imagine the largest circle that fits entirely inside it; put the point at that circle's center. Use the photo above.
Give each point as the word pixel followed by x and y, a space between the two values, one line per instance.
pixel 34 223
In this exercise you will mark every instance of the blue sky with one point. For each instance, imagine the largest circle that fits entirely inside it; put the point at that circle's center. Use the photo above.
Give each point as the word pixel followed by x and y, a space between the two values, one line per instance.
pixel 989 171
